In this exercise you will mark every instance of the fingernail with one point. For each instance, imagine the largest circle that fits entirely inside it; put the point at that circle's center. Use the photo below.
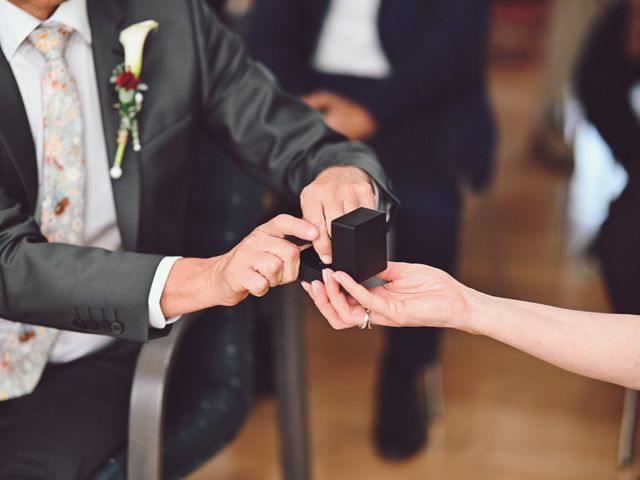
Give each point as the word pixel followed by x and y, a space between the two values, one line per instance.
pixel 336 277
pixel 326 259
pixel 325 274
pixel 305 285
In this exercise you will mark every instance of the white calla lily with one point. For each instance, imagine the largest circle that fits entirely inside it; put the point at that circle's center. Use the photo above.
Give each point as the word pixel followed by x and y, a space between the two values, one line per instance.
pixel 126 78
pixel 132 39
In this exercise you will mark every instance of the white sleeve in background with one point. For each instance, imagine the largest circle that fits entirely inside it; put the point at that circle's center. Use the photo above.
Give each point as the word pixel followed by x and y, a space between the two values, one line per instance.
pixel 156 317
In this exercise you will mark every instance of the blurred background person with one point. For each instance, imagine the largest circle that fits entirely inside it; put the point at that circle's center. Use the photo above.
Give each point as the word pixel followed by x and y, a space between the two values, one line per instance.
pixel 407 77
pixel 569 24
pixel 607 84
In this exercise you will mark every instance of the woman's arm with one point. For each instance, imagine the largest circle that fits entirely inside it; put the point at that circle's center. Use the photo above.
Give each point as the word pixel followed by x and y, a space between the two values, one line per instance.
pixel 597 345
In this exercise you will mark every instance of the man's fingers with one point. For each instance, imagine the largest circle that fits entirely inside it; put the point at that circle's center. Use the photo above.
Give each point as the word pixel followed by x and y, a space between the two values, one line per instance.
pixel 271 267
pixel 263 264
pixel 323 247
pixel 287 225
pixel 313 213
pixel 317 100
pixel 289 255
pixel 366 197
pixel 332 209
pixel 255 283
pixel 351 203
pixel 312 101
pixel 363 190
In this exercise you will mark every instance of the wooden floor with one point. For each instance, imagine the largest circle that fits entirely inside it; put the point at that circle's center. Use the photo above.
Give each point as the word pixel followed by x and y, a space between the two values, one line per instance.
pixel 508 416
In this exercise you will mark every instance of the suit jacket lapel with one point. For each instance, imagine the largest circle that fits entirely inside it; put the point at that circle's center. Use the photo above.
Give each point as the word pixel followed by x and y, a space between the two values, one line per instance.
pixel 15 133
pixel 106 19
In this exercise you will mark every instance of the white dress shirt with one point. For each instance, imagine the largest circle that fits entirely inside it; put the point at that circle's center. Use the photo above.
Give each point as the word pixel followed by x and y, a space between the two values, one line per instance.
pixel 100 224
pixel 349 42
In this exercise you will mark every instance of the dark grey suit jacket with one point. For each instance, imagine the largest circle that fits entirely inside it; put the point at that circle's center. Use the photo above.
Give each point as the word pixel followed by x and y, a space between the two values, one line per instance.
pixel 199 77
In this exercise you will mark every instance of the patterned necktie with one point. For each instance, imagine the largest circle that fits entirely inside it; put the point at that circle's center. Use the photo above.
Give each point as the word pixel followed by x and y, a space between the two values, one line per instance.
pixel 26 348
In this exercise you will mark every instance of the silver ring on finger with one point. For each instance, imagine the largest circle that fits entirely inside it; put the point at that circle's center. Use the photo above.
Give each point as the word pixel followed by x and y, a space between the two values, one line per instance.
pixel 366 324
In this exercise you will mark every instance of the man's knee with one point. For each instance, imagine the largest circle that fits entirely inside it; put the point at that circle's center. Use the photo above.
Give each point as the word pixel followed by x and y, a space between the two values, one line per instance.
pixel 58 443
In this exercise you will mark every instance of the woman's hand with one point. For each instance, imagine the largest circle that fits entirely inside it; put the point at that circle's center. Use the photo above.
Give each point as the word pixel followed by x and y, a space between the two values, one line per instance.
pixel 416 296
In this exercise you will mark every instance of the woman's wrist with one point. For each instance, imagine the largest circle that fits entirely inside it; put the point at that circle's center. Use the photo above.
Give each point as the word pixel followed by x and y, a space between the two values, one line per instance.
pixel 477 311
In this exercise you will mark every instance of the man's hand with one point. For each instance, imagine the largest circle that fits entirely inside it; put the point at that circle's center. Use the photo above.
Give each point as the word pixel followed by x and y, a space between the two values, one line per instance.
pixel 264 259
pixel 336 191
pixel 343 115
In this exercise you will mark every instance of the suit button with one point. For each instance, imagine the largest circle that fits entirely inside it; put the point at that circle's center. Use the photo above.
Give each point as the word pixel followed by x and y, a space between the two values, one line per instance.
pixel 117 328
pixel 79 323
pixel 92 325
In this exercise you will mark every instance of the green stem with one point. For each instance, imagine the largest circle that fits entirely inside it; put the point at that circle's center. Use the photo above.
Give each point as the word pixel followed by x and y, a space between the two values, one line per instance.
pixel 119 155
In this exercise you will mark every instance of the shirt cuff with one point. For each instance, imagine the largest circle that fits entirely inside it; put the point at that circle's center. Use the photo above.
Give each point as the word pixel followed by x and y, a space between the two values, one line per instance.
pixel 156 317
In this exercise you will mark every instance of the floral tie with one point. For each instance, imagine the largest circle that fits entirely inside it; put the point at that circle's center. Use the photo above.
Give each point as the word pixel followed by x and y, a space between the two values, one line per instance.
pixel 25 350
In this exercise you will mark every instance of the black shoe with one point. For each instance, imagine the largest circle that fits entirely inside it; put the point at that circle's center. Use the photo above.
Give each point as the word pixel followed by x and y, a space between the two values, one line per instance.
pixel 400 429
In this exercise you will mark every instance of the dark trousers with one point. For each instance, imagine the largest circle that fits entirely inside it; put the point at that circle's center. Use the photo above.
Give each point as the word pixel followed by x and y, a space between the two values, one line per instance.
pixel 426 231
pixel 73 421
pixel 74 425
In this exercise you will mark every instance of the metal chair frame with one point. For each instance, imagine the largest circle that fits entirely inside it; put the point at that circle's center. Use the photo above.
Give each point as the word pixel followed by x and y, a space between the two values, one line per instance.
pixel 148 395
pixel 628 428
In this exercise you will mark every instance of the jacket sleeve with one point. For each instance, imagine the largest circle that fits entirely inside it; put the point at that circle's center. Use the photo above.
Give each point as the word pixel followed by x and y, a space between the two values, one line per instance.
pixel 273 135
pixel 67 287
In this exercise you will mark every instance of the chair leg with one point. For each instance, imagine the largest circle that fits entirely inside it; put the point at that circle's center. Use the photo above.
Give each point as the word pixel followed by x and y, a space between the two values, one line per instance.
pixel 627 428
pixel 435 391
pixel 147 402
pixel 291 391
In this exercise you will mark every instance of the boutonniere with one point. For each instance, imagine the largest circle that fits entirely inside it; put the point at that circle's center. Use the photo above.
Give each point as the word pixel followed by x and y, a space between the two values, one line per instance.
pixel 129 89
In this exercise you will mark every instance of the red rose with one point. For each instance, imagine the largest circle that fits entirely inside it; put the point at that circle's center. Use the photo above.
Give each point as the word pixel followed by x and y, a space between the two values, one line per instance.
pixel 127 80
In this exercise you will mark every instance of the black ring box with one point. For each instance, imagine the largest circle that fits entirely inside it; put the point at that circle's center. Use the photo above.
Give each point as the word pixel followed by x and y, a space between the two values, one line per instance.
pixel 359 247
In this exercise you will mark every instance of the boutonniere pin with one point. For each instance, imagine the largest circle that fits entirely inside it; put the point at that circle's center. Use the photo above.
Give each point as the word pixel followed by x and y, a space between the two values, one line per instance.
pixel 129 88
